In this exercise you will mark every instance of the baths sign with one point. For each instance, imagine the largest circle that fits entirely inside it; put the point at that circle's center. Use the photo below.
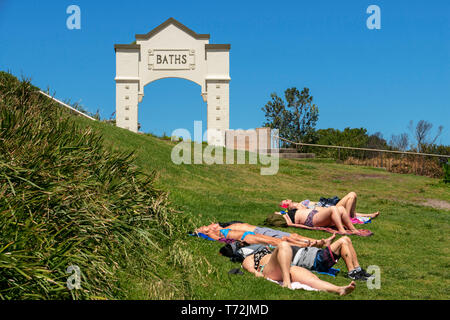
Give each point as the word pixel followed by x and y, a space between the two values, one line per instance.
pixel 175 59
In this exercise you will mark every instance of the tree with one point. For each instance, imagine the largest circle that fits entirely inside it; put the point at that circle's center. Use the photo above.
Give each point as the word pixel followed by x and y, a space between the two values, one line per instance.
pixel 399 142
pixel 421 133
pixel 376 141
pixel 295 117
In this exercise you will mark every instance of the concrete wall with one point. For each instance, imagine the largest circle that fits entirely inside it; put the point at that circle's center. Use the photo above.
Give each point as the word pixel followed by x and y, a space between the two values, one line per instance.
pixel 250 140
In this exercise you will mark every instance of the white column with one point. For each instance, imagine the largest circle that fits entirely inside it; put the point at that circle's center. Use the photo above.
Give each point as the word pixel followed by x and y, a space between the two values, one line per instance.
pixel 127 85
pixel 127 104
pixel 218 111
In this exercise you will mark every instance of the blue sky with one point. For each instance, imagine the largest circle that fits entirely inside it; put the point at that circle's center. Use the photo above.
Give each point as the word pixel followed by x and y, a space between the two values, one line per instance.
pixel 377 79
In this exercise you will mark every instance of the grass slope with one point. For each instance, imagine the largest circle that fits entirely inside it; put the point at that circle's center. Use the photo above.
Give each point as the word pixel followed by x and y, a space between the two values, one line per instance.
pixel 410 245
pixel 66 200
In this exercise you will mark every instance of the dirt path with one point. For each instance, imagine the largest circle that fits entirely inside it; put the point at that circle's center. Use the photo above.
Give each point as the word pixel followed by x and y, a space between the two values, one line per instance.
pixel 438 204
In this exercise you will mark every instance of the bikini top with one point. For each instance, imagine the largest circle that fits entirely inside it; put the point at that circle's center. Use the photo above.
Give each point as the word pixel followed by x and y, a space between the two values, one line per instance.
pixel 224 232
pixel 291 214
pixel 258 255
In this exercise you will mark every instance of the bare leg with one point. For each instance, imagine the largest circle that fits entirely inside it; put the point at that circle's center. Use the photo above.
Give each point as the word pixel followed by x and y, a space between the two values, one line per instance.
pixel 327 217
pixel 346 219
pixel 370 215
pixel 304 276
pixel 349 203
pixel 301 238
pixel 279 264
pixel 345 249
pixel 296 242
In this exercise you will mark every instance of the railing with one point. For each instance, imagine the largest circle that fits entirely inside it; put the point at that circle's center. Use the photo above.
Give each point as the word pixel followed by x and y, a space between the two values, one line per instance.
pixel 67 106
pixel 428 164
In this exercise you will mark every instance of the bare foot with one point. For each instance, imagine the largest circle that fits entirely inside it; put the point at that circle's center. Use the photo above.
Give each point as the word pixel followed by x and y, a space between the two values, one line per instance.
pixel 374 215
pixel 287 285
pixel 327 241
pixel 347 289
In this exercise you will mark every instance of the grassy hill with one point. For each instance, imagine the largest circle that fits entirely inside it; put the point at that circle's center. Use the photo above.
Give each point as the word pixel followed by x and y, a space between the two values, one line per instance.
pixel 410 245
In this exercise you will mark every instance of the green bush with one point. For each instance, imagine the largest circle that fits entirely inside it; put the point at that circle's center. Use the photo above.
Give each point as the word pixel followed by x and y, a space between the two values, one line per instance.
pixel 349 137
pixel 66 200
pixel 447 172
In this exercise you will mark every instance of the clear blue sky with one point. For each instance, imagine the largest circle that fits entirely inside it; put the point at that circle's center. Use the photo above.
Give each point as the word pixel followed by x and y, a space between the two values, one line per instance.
pixel 377 79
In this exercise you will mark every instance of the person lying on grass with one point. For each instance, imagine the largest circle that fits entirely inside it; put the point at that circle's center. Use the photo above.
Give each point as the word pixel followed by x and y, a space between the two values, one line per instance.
pixel 277 265
pixel 313 258
pixel 216 232
pixel 256 235
pixel 348 202
pixel 300 216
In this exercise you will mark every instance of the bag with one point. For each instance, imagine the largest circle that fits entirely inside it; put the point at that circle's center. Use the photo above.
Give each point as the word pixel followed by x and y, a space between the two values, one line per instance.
pixel 246 251
pixel 238 251
pixel 328 202
pixel 275 220
pixel 227 224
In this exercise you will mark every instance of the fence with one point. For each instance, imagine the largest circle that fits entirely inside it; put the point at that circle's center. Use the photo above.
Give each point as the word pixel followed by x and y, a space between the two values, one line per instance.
pixel 67 106
pixel 426 164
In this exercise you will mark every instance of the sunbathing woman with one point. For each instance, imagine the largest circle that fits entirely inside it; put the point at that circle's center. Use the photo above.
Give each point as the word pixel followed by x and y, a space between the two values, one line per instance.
pixel 290 237
pixel 299 216
pixel 248 236
pixel 277 266
pixel 319 259
pixel 348 202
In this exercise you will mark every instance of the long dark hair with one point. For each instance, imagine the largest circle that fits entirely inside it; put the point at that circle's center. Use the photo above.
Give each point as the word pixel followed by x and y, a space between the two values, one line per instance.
pixel 230 250
pixel 227 224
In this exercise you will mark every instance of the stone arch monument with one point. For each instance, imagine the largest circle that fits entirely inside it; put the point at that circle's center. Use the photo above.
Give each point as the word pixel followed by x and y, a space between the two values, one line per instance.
pixel 172 50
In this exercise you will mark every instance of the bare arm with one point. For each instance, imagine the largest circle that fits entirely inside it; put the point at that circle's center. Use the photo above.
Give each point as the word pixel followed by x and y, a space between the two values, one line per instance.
pixel 259 238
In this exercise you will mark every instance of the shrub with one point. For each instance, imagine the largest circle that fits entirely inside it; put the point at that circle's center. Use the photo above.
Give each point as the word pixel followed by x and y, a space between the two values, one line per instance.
pixel 446 167
pixel 66 200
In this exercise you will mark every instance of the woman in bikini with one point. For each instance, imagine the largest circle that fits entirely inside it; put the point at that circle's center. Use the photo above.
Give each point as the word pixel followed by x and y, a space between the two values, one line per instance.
pixel 348 202
pixel 215 232
pixel 293 238
pixel 298 216
pixel 276 265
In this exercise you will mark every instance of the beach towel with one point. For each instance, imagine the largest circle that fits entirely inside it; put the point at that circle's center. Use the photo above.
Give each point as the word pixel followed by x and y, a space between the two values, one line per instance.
pixel 274 216
pixel 204 236
pixel 361 220
pixel 332 272
pixel 295 285
pixel 362 232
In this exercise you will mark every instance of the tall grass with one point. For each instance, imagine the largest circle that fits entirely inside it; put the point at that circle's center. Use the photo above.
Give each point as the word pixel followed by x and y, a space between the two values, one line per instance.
pixel 429 167
pixel 66 200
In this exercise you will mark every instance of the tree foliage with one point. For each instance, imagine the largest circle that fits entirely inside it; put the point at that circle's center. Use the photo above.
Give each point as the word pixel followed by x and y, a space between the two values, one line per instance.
pixel 295 117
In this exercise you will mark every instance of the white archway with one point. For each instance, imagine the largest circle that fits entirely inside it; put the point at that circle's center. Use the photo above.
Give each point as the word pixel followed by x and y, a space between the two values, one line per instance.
pixel 172 50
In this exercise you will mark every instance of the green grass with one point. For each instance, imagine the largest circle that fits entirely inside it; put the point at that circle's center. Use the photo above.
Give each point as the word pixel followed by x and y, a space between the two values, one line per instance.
pixel 61 204
pixel 410 244
pixel 66 200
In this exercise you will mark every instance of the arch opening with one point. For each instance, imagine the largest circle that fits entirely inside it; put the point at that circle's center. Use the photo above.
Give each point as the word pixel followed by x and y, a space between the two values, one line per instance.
pixel 171 103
